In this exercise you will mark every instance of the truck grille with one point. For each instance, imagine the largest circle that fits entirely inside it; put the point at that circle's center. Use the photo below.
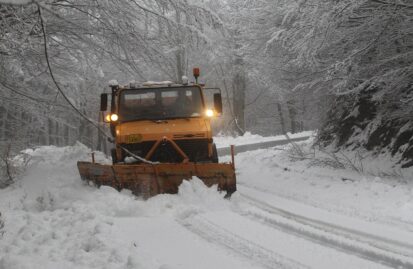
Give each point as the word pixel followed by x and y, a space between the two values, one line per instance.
pixel 195 149
pixel 140 149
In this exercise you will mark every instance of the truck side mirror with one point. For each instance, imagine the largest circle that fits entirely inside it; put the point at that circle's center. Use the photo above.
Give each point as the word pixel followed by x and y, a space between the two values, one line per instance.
pixel 103 102
pixel 218 103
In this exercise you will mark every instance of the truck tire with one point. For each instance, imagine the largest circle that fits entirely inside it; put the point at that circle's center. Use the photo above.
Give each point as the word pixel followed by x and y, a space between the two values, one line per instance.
pixel 214 153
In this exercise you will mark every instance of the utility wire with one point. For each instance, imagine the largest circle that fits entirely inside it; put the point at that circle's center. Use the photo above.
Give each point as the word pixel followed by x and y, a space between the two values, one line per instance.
pixel 43 25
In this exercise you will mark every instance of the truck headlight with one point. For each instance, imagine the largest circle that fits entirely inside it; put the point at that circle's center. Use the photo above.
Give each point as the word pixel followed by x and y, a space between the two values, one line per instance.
pixel 114 117
pixel 209 113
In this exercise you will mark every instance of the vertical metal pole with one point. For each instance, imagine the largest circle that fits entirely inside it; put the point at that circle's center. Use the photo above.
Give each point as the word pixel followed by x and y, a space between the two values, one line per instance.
pixel 93 157
pixel 233 155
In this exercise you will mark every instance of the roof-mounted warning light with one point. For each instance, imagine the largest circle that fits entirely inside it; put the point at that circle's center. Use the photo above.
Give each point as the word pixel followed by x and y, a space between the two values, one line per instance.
pixel 196 74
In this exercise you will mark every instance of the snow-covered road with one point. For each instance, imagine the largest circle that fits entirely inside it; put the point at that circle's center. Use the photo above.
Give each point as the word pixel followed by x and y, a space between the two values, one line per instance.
pixel 286 214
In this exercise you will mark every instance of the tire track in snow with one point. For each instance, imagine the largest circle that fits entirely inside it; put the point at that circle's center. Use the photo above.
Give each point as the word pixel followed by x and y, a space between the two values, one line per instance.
pixel 366 246
pixel 402 224
pixel 251 251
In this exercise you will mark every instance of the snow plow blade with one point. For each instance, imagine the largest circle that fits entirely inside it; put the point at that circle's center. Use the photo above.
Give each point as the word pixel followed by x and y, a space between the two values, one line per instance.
pixel 147 180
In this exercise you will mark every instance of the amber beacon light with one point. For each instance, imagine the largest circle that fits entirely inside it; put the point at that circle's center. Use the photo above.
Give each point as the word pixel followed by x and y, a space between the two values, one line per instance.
pixel 196 73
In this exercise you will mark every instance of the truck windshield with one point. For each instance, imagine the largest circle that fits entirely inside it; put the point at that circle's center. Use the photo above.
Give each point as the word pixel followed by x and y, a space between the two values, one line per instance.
pixel 160 103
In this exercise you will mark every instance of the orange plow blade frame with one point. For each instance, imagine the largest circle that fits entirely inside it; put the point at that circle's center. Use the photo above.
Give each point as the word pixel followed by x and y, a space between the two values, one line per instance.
pixel 147 180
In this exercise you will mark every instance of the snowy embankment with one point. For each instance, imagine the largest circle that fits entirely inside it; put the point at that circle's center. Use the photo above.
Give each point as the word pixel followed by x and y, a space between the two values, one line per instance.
pixel 286 214
pixel 53 220
pixel 373 189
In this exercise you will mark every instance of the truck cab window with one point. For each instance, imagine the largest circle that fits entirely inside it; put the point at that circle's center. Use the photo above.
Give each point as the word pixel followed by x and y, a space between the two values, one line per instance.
pixel 160 103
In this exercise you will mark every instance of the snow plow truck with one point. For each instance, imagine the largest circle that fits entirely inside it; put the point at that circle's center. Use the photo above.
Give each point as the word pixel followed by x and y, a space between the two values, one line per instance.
pixel 162 135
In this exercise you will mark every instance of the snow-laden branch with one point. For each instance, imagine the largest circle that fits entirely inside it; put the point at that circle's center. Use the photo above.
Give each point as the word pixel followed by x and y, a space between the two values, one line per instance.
pixel 16 2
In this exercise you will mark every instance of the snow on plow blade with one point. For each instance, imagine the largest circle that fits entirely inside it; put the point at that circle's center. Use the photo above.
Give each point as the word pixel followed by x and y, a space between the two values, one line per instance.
pixel 147 180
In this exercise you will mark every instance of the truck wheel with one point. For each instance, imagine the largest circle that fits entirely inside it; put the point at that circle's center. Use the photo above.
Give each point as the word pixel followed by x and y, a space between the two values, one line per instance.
pixel 114 158
pixel 214 154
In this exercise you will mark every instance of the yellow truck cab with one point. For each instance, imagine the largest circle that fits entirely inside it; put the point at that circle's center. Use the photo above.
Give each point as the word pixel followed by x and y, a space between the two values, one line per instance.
pixel 162 122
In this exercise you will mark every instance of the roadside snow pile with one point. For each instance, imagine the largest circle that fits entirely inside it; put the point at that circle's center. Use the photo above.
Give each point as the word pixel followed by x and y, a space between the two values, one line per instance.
pixel 54 220
pixel 373 193
pixel 249 138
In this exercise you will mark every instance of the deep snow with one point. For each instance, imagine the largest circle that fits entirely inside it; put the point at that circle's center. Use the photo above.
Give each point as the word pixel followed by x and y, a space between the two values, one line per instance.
pixel 54 220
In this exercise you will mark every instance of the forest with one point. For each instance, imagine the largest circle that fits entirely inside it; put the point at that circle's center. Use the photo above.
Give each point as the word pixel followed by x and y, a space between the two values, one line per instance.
pixel 343 68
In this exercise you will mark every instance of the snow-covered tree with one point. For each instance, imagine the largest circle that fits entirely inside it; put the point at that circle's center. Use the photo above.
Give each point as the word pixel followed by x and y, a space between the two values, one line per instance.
pixel 87 44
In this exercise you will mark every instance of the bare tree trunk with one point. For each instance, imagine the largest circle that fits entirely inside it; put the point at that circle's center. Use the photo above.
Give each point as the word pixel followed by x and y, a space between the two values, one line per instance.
pixel 50 132
pixel 5 158
pixel 57 133
pixel 229 104
pixel 238 95
pixel 303 115
pixel 293 114
pixel 180 52
pixel 282 123
pixel 66 135
pixel 3 124
pixel 180 60
pixel 81 130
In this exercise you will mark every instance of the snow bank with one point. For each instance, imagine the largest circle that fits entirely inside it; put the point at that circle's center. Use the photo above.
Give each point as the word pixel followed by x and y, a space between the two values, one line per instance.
pixel 376 192
pixel 53 220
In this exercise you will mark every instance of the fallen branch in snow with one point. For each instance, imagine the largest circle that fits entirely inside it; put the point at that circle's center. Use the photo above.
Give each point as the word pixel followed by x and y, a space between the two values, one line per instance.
pixel 332 162
pixel 356 164
pixel 298 152
pixel 339 161
pixel 326 159
pixel 295 146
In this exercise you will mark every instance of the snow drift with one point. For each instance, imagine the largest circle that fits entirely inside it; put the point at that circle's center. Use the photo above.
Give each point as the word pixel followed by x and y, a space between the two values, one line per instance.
pixel 53 220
